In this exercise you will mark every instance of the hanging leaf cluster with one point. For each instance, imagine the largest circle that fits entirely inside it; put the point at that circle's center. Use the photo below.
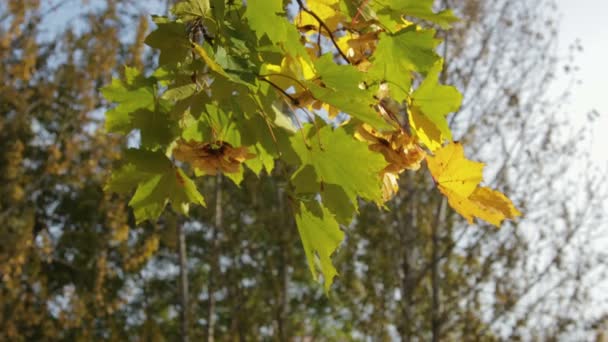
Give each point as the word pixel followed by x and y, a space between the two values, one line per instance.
pixel 346 94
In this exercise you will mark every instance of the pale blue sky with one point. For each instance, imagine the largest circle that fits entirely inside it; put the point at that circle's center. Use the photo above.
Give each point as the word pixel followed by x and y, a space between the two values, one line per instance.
pixel 587 20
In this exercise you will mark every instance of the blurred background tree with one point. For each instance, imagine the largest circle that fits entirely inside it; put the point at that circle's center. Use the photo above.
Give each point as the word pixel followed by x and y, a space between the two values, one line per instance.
pixel 74 266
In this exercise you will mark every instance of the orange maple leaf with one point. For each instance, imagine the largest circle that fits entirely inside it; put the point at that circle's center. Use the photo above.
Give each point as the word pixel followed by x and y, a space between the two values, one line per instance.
pixel 211 158
pixel 400 150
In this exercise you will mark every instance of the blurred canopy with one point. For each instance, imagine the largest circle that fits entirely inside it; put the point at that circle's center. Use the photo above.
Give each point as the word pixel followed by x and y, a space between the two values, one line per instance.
pixel 75 266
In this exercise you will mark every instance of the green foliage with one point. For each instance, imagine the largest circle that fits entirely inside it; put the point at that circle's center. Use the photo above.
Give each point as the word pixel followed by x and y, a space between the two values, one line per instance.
pixel 225 68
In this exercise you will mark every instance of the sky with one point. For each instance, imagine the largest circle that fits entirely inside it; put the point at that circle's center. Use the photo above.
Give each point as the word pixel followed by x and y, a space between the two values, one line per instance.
pixel 587 21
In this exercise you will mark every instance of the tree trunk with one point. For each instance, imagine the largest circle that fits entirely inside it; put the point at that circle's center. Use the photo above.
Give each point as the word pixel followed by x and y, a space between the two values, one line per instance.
pixel 214 258
pixel 435 305
pixel 408 231
pixel 183 276
pixel 283 303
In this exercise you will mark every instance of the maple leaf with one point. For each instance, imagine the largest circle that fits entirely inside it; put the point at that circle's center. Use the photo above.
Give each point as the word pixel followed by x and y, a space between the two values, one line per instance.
pixel 137 108
pixel 191 9
pixel 290 73
pixel 333 157
pixel 170 40
pixel 266 18
pixel 157 182
pixel 489 205
pixel 422 9
pixel 359 47
pixel 335 81
pixel 397 55
pixel 458 179
pixel 321 236
pixel 211 158
pixel 326 10
pixel 431 103
pixel 399 149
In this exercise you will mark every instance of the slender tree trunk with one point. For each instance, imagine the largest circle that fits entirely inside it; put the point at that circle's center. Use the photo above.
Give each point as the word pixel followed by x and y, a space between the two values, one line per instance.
pixel 183 276
pixel 408 234
pixel 435 305
pixel 214 258
pixel 283 272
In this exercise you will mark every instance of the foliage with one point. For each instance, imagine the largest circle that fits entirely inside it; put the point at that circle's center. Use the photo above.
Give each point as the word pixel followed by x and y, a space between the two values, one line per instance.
pixel 63 241
pixel 225 69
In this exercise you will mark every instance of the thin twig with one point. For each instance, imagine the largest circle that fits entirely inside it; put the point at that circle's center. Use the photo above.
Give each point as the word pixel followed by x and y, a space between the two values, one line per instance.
pixel 286 76
pixel 322 23
pixel 293 100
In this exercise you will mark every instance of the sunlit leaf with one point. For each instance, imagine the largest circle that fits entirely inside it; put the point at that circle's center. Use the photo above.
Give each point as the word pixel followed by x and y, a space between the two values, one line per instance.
pixel 458 179
pixel 157 182
pixel 321 236
pixel 434 101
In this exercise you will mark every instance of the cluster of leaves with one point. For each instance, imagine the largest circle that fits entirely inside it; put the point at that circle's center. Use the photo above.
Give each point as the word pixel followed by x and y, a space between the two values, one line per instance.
pixel 346 95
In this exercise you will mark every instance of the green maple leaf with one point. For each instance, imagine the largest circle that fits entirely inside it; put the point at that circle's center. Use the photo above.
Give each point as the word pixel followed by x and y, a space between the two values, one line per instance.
pixel 337 158
pixel 180 92
pixel 435 101
pixel 171 39
pixel 422 9
pixel 398 55
pixel 267 18
pixel 191 9
pixel 135 94
pixel 137 108
pixel 321 236
pixel 157 182
pixel 342 91
pixel 337 76
pixel 258 13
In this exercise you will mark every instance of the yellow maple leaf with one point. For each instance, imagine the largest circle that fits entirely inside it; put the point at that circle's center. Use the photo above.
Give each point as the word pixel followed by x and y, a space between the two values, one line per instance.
pixel 358 47
pixel 458 179
pixel 425 129
pixel 327 10
pixel 453 172
pixel 289 73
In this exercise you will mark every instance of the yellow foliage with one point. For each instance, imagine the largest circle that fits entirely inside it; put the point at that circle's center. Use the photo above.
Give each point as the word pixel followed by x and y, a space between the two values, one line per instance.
pixel 144 253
